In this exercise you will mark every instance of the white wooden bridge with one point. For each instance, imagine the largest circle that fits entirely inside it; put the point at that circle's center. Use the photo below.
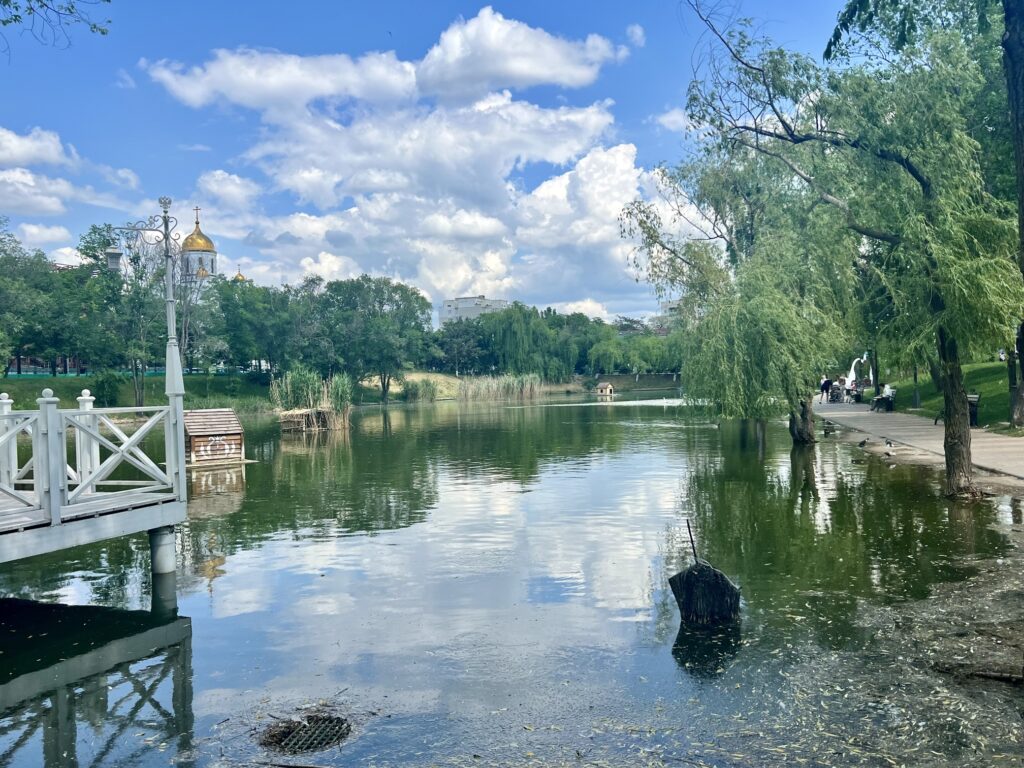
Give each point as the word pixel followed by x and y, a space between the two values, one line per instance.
pixel 72 476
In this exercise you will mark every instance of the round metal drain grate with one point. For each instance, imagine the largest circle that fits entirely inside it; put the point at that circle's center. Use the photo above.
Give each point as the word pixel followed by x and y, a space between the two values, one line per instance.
pixel 312 734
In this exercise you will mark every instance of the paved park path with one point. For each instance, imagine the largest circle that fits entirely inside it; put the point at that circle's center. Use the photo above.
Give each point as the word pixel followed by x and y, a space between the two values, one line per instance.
pixel 994 453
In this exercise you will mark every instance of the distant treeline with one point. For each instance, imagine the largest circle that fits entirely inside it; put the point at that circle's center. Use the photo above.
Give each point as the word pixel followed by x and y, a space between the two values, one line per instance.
pixel 368 327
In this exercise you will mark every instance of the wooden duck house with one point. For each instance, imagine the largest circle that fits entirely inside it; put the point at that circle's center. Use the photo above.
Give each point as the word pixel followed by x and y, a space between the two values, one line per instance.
pixel 605 389
pixel 214 436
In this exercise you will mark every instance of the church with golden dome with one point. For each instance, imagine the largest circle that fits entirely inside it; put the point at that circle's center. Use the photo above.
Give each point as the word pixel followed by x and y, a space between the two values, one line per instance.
pixel 198 251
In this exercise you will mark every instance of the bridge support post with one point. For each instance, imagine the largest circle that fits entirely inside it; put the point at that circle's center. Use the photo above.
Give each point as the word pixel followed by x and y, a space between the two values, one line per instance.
pixel 161 550
pixel 164 597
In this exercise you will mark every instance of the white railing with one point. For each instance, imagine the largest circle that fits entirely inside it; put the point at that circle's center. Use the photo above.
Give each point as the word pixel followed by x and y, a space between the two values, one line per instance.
pixel 95 430
pixel 106 462
pixel 13 474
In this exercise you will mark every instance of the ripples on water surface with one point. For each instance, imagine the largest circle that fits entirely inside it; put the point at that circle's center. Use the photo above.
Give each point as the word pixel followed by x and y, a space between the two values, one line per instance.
pixel 487 585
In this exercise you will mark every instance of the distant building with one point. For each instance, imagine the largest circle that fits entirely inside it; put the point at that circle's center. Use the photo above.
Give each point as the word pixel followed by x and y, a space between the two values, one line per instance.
pixel 668 312
pixel 469 307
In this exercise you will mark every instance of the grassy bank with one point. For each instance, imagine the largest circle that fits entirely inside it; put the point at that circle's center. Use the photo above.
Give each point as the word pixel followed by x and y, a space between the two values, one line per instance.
pixel 628 382
pixel 986 379
pixel 238 392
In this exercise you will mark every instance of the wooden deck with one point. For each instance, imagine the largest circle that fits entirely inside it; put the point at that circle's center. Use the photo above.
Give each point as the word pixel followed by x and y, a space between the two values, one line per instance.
pixel 15 518
pixel 107 519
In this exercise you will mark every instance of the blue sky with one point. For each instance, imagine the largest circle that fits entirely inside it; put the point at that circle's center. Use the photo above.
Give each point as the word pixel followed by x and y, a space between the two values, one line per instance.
pixel 462 148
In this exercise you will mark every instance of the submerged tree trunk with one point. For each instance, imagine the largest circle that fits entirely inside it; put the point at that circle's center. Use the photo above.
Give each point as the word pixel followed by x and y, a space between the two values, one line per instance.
pixel 957 425
pixel 801 425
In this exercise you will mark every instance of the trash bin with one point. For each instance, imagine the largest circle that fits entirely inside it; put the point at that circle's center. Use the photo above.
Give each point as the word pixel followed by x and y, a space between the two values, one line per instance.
pixel 972 406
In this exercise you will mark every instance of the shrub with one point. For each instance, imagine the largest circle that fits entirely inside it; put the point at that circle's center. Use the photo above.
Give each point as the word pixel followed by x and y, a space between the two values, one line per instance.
pixel 105 388
pixel 421 390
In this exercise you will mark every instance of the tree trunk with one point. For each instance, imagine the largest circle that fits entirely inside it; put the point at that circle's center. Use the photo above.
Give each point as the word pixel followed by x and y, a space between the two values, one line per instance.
pixel 385 387
pixel 956 424
pixel 1013 67
pixel 875 372
pixel 18 363
pixel 917 391
pixel 139 382
pixel 801 426
pixel 53 366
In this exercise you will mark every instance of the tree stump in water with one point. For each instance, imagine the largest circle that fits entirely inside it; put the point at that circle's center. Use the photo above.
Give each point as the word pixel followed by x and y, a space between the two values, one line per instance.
pixel 705 595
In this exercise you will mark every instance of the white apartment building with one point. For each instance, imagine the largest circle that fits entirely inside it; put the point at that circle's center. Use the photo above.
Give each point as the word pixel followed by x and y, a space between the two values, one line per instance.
pixel 469 307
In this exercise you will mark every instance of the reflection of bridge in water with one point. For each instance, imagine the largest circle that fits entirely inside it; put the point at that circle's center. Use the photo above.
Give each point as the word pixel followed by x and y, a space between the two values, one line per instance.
pixel 86 686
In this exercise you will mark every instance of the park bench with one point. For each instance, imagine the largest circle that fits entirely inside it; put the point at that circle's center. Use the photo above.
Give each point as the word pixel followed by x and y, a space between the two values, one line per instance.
pixel 972 409
pixel 884 402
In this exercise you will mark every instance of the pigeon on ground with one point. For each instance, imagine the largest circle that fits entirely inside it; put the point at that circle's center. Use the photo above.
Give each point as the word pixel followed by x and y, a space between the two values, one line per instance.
pixel 888 443
pixel 862 443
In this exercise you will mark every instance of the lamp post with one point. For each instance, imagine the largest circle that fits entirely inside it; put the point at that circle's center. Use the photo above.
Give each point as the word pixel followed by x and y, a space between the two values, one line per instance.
pixel 157 230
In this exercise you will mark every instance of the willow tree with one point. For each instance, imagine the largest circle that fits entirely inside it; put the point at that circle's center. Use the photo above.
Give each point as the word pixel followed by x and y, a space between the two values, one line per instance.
pixel 762 272
pixel 885 143
pixel 994 32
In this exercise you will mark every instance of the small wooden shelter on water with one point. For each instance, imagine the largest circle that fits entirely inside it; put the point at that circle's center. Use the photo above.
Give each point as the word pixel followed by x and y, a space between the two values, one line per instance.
pixel 214 436
pixel 605 389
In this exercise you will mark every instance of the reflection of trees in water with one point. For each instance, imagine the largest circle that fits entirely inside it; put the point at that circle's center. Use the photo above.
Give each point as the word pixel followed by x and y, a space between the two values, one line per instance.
pixel 516 443
pixel 361 485
pixel 116 572
pixel 793 530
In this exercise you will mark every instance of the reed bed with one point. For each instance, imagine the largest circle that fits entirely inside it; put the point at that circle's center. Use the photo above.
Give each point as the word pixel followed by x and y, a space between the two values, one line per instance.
pixel 324 403
pixel 524 386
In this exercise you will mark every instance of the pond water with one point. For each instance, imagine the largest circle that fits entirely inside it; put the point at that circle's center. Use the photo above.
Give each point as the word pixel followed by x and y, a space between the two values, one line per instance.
pixel 487 585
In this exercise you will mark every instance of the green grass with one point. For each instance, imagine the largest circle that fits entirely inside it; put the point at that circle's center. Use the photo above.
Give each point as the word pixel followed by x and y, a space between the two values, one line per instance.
pixel 236 392
pixel 986 379
pixel 626 382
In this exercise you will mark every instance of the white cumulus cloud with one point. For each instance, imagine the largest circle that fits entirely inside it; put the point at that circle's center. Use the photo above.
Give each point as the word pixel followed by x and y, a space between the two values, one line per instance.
pixel 635 34
pixel 34 235
pixel 588 307
pixel 490 52
pixel 228 190
pixel 270 80
pixel 675 120
pixel 65 255
pixel 37 147
pixel 418 170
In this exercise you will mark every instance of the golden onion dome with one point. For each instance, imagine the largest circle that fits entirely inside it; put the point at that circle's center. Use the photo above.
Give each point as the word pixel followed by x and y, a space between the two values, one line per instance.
pixel 239 278
pixel 197 241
